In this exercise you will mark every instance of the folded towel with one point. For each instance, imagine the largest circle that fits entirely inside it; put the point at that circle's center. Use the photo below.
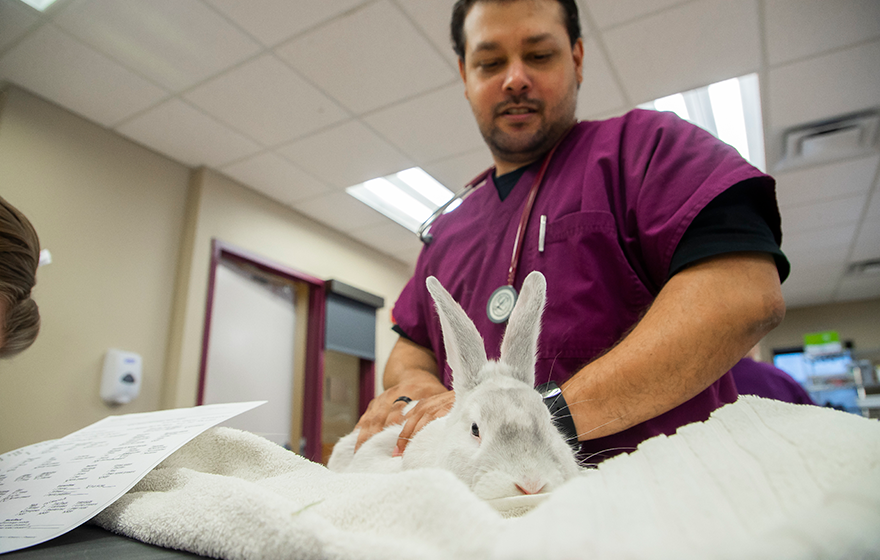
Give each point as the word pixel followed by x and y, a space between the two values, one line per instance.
pixel 759 479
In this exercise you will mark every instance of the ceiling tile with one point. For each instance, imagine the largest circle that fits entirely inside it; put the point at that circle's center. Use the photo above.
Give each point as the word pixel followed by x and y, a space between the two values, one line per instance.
pixel 341 212
pixel 825 182
pixel 15 20
pixel 608 13
pixel 272 21
pixel 867 245
pixel 599 92
pixel 458 171
pixel 799 28
pixel 185 134
pixel 832 256
pixel 836 212
pixel 430 127
pixel 346 155
pixel 433 18
pixel 368 59
pixel 815 274
pixel 815 241
pixel 824 87
pixel 690 46
pixel 389 237
pixel 276 177
pixel 856 288
pixel 808 288
pixel 874 205
pixel 53 65
pixel 266 100
pixel 176 43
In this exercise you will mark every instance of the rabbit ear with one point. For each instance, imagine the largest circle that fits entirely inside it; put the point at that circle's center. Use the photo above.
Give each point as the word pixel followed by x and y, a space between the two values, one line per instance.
pixel 519 348
pixel 464 345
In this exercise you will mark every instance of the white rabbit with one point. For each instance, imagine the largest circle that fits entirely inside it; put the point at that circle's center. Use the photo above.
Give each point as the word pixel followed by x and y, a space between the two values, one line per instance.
pixel 498 437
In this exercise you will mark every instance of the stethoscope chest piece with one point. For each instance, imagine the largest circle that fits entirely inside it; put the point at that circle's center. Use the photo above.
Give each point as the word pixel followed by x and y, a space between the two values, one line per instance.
pixel 501 304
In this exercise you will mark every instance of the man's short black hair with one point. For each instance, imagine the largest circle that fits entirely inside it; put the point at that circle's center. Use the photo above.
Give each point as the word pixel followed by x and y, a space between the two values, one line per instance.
pixel 462 7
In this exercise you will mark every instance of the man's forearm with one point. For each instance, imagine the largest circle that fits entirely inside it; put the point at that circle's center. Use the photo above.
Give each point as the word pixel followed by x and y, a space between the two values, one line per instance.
pixel 411 371
pixel 702 322
pixel 410 363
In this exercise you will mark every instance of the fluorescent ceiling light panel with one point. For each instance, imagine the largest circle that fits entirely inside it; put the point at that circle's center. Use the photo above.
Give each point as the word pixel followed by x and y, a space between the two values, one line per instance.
pixel 730 110
pixel 727 109
pixel 40 5
pixel 408 197
pixel 674 103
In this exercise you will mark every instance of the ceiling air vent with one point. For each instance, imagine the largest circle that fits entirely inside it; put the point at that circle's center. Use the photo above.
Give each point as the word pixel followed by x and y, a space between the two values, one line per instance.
pixel 863 268
pixel 829 140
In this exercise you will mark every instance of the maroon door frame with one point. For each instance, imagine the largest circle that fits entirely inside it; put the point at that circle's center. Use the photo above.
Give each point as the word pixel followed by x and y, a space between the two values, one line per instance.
pixel 313 399
pixel 367 384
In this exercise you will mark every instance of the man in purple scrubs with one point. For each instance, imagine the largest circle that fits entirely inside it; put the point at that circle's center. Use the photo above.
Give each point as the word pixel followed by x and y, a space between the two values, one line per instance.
pixel 659 243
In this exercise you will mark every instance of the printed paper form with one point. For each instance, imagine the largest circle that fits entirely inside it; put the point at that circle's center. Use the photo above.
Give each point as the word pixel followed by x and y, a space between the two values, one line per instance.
pixel 50 488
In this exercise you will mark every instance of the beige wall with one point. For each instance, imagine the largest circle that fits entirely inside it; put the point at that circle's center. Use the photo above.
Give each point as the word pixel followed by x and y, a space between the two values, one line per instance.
pixel 130 233
pixel 111 213
pixel 858 321
pixel 221 208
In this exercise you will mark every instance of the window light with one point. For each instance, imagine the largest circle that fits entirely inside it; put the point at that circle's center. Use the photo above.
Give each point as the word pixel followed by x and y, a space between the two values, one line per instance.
pixel 40 5
pixel 730 110
pixel 407 197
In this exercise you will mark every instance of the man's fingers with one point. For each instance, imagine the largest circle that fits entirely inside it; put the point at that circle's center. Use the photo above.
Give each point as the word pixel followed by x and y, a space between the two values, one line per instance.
pixel 425 411
pixel 396 415
pixel 378 415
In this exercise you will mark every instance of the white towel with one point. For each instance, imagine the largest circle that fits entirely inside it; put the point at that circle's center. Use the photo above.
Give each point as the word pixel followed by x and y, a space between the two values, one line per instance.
pixel 760 479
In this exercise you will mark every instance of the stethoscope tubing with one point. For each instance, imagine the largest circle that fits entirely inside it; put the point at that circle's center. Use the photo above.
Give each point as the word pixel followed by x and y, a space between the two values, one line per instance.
pixel 481 179
pixel 477 181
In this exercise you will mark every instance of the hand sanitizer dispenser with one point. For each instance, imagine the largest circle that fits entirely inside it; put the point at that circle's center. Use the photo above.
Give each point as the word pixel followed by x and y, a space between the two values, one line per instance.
pixel 121 381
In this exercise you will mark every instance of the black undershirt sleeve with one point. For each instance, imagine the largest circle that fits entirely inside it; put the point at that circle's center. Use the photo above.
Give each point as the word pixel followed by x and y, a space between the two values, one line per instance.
pixel 734 221
pixel 400 332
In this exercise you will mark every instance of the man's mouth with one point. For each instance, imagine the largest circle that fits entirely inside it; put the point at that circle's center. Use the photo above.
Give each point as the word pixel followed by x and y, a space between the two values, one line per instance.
pixel 518 111
pixel 518 108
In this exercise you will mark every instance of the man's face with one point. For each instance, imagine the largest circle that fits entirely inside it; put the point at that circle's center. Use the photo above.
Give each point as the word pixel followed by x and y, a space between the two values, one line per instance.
pixel 521 77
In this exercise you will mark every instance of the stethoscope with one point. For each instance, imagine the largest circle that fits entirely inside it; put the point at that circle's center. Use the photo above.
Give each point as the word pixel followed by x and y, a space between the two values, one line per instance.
pixel 502 300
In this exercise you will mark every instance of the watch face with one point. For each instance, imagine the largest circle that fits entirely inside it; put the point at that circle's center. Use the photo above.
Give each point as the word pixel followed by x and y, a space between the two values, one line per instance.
pixel 553 392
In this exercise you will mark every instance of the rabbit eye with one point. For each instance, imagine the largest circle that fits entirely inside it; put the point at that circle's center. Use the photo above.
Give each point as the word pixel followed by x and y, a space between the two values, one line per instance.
pixel 475 430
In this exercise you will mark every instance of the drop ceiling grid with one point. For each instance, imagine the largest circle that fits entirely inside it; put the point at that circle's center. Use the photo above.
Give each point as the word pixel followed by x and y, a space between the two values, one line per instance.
pixel 192 136
pixel 813 63
pixel 61 68
pixel 174 43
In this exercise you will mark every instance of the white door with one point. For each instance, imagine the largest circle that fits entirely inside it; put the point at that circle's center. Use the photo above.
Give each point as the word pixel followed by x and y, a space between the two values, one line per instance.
pixel 251 349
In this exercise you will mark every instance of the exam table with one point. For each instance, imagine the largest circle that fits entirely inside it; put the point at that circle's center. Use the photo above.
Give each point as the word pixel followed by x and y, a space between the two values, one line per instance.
pixel 89 541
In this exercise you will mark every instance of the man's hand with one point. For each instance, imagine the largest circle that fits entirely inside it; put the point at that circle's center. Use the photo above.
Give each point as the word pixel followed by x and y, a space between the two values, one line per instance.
pixel 384 411
pixel 411 372
pixel 426 410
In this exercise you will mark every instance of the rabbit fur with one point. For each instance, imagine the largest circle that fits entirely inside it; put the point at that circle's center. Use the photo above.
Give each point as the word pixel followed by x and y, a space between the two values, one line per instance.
pixel 499 437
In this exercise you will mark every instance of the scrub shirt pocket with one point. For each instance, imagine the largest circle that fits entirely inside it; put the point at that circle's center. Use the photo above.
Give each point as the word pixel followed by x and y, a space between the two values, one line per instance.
pixel 593 294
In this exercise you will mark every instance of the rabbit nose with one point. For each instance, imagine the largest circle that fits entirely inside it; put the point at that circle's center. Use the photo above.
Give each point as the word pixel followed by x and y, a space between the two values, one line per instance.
pixel 531 487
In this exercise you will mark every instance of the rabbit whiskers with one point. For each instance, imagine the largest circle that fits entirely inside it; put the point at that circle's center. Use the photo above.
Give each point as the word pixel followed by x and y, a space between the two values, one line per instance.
pixel 583 462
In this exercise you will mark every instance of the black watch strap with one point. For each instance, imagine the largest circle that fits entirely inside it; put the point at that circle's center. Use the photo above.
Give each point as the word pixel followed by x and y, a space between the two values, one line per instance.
pixel 555 402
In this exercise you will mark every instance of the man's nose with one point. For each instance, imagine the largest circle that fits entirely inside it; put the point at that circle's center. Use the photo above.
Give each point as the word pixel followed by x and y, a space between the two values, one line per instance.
pixel 517 79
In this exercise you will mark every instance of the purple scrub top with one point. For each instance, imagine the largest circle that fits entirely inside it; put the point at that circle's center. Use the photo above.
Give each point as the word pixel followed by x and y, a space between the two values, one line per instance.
pixel 618 196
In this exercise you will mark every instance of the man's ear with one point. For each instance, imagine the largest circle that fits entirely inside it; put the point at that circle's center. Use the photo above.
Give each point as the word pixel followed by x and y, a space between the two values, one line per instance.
pixel 463 73
pixel 577 53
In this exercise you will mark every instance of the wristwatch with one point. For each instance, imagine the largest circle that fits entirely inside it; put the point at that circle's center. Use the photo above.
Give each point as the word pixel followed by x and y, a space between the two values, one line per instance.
pixel 555 402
